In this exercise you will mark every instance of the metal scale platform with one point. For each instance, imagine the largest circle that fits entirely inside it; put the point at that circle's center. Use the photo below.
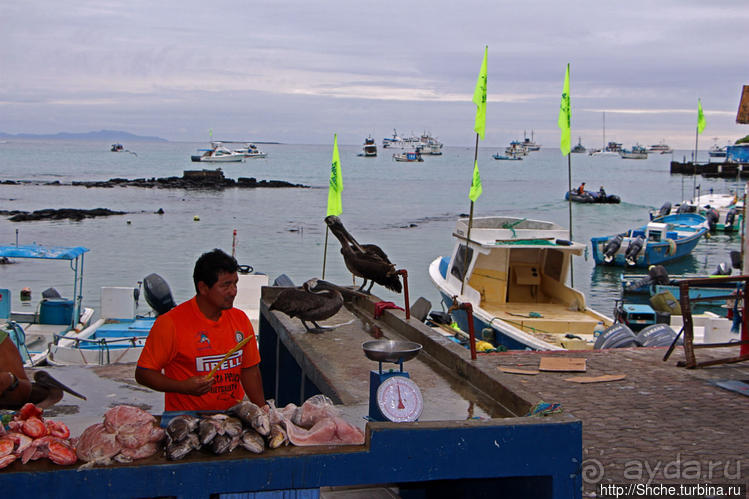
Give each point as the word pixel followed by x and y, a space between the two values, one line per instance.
pixel 393 396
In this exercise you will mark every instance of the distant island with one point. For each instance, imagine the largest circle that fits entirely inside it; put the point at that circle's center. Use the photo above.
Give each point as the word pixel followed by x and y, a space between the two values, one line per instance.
pixel 104 135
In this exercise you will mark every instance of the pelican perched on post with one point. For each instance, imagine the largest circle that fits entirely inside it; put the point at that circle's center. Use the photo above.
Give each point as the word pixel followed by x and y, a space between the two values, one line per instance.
pixel 367 261
pixel 315 300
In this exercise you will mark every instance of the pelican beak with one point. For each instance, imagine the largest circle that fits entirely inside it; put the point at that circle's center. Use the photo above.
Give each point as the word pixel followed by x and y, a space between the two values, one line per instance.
pixel 347 293
pixel 44 379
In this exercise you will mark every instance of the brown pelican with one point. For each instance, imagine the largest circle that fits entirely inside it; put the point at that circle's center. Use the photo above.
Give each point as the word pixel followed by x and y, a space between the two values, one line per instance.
pixel 314 301
pixel 367 261
pixel 46 391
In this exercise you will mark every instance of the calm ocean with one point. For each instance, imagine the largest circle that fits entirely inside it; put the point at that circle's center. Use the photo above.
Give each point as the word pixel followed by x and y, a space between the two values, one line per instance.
pixel 409 209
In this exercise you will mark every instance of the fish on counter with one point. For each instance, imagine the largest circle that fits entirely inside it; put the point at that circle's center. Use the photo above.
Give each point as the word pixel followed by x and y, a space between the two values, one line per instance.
pixel 252 415
pixel 33 437
pixel 317 422
pixel 252 441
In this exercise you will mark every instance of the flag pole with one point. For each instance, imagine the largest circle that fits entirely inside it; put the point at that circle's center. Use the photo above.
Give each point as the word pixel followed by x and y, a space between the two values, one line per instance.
pixel 569 204
pixel 325 251
pixel 694 165
pixel 470 222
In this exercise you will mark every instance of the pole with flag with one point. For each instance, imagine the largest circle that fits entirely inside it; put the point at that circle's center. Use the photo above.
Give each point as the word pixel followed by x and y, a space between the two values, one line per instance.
pixel 479 126
pixel 700 127
pixel 563 122
pixel 335 190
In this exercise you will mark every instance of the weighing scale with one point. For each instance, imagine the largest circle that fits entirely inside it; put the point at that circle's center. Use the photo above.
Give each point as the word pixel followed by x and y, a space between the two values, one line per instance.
pixel 393 396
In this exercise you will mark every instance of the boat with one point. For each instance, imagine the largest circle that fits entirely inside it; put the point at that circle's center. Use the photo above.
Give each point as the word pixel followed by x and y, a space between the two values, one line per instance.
pixel 218 153
pixel 117 148
pixel 724 212
pixel 408 156
pixel 396 142
pixel 717 152
pixel 578 148
pixel 250 151
pixel 655 243
pixel 369 150
pixel 429 145
pixel 610 148
pixel 591 197
pixel 506 157
pixel 120 333
pixel 516 148
pixel 32 331
pixel 529 144
pixel 513 272
pixel 637 152
pixel 661 148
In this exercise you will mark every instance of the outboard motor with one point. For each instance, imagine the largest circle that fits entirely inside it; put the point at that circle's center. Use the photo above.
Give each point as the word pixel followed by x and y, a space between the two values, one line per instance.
pixel 665 209
pixel 611 247
pixel 683 208
pixel 658 274
pixel 724 268
pixel 635 245
pixel 736 260
pixel 158 294
pixel 730 218
pixel 712 218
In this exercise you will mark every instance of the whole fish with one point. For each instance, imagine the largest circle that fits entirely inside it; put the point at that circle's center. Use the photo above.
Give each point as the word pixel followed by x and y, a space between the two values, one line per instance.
pixel 224 444
pixel 232 426
pixel 181 426
pixel 178 450
pixel 208 429
pixel 252 441
pixel 277 436
pixel 251 414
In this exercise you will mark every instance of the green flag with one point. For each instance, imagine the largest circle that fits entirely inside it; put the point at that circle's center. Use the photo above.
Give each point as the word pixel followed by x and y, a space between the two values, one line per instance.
pixel 700 117
pixel 335 205
pixel 564 115
pixel 479 98
pixel 475 183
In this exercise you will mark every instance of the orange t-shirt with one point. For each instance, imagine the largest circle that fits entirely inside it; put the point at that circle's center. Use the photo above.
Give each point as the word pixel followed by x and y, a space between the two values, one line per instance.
pixel 185 343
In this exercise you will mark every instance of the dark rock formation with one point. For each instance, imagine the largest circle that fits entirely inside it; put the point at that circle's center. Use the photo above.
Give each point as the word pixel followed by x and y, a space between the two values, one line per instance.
pixel 61 214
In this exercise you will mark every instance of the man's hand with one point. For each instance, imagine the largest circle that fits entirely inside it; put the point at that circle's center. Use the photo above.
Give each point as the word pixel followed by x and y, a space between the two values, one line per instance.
pixel 197 385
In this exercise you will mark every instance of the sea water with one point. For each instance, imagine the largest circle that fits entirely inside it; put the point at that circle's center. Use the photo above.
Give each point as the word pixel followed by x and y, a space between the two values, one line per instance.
pixel 408 209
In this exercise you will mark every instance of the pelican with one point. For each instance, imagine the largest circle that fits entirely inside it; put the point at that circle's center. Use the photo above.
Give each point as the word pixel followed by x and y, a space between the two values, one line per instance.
pixel 315 300
pixel 367 261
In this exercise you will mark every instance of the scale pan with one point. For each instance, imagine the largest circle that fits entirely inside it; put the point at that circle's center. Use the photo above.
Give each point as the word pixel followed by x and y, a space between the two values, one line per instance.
pixel 390 350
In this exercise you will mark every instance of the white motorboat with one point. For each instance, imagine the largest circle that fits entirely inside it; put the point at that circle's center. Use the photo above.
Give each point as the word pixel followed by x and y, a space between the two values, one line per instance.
pixel 250 151
pixel 369 149
pixel 661 148
pixel 637 152
pixel 218 153
pixel 514 273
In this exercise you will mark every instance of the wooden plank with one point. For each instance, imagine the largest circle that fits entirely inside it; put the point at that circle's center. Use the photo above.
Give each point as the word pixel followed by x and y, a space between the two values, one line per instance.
pixel 742 116
pixel 562 364
pixel 597 379
pixel 515 370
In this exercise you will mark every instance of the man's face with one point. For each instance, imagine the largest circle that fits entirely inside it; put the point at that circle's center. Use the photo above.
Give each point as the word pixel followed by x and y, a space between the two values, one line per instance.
pixel 223 292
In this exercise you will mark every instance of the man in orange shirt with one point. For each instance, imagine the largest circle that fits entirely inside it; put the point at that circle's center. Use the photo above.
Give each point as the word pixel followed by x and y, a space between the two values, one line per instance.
pixel 188 341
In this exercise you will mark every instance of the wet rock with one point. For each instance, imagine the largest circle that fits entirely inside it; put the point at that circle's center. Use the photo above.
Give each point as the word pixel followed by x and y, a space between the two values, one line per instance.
pixel 59 214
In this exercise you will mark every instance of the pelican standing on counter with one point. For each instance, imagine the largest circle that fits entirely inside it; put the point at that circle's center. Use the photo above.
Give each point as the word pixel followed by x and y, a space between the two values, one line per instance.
pixel 367 261
pixel 315 300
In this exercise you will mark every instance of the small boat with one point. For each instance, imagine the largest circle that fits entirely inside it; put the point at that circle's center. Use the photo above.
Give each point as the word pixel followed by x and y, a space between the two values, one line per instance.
pixel 591 197
pixel 717 152
pixel 529 144
pixel 369 150
pixel 396 142
pixel 637 152
pixel 429 145
pixel 32 331
pixel 117 148
pixel 218 153
pixel 514 273
pixel 661 148
pixel 579 147
pixel 610 149
pixel 250 151
pixel 516 148
pixel 724 212
pixel 674 237
pixel 508 157
pixel 408 156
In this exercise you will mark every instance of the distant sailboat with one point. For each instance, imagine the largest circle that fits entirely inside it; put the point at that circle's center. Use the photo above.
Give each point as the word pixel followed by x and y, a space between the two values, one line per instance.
pixel 609 149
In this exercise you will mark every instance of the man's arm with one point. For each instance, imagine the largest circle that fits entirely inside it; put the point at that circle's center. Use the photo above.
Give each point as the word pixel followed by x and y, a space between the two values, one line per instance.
pixel 197 385
pixel 252 382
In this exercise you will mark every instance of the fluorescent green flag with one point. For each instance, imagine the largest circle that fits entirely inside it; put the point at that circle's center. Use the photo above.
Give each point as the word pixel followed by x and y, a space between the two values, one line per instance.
pixel 475 183
pixel 564 115
pixel 479 98
pixel 700 117
pixel 335 205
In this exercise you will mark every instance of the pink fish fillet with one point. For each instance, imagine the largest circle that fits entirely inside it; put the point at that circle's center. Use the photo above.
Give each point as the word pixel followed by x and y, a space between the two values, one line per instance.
pixel 327 431
pixel 96 444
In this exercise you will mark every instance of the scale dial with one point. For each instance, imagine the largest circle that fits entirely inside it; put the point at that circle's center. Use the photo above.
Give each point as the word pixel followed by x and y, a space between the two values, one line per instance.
pixel 399 399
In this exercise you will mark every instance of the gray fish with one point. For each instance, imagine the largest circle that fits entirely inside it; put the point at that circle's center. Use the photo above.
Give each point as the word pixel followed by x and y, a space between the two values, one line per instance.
pixel 277 436
pixel 178 450
pixel 253 416
pixel 223 444
pixel 232 426
pixel 181 426
pixel 208 429
pixel 252 441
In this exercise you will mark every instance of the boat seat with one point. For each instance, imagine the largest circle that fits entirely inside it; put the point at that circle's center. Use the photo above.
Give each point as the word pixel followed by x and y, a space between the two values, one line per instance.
pixel 555 317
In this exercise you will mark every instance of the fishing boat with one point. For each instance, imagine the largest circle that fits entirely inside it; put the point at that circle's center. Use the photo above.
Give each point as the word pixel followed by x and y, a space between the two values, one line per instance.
pixel 369 150
pixel 579 147
pixel 117 148
pixel 516 148
pixel 513 272
pixel 429 145
pixel 717 151
pixel 34 329
pixel 507 157
pixel 661 148
pixel 408 156
pixel 395 142
pixel 530 144
pixel 637 152
pixel 591 197
pixel 724 212
pixel 250 151
pixel 218 153
pixel 669 239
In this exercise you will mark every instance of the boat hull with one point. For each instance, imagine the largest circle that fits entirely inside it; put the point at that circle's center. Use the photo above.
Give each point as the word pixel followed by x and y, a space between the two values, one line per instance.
pixel 653 253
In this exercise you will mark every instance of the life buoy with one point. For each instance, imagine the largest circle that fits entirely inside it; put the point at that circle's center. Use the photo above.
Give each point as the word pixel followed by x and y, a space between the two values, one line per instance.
pixel 671 247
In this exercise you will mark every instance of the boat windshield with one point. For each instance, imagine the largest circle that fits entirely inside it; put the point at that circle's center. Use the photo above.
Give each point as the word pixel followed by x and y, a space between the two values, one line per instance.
pixel 459 262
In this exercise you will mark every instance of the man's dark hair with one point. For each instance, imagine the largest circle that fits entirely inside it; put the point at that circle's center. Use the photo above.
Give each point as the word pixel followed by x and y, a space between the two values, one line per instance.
pixel 210 265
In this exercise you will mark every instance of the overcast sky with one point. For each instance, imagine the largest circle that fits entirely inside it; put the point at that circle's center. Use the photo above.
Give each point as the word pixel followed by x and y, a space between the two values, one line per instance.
pixel 298 71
